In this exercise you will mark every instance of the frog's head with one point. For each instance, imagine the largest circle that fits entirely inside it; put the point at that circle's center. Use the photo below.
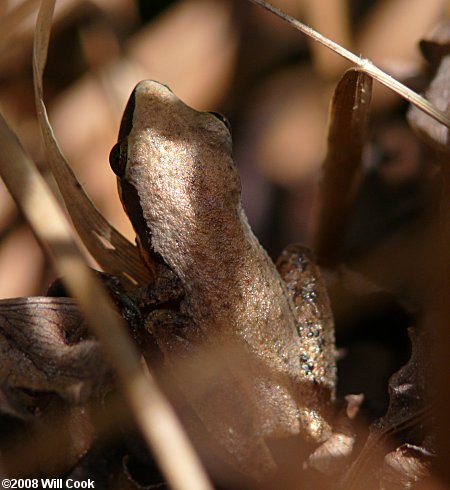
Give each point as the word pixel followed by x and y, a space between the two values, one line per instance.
pixel 174 166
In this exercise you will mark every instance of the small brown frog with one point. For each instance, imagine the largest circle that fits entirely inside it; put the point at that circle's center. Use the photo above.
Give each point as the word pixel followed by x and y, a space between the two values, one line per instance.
pixel 252 347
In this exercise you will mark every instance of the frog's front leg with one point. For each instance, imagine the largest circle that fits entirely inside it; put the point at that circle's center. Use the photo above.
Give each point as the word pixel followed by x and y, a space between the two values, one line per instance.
pixel 165 291
pixel 201 371
pixel 315 329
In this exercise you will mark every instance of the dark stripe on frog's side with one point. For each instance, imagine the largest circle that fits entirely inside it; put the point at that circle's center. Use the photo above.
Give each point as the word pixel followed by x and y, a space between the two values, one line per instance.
pixel 126 125
pixel 119 152
pixel 118 159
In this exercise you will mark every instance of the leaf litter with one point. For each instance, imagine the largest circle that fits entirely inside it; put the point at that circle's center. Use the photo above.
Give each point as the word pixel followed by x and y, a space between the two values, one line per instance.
pixel 350 105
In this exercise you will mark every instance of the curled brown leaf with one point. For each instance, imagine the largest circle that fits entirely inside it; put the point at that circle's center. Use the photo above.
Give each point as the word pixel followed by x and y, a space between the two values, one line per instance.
pixel 38 353
pixel 349 116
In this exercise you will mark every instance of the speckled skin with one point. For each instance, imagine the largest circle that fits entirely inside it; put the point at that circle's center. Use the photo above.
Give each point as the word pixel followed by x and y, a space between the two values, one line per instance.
pixel 175 165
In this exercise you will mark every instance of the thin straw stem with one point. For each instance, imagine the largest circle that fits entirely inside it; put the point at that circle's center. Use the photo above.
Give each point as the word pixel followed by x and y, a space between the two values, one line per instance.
pixel 363 64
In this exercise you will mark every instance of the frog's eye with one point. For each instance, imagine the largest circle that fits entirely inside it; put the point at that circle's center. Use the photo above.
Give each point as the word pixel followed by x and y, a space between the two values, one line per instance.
pixel 118 159
pixel 223 119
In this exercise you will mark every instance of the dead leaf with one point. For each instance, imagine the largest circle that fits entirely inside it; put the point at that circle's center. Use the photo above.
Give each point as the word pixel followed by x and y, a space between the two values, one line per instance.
pixel 15 403
pixel 349 117
pixel 409 409
pixel 404 467
pixel 436 44
pixel 434 134
pixel 37 352
pixel 110 249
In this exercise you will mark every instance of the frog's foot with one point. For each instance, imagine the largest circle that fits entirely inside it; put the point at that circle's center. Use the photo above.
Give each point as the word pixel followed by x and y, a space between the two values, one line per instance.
pixel 165 291
pixel 334 456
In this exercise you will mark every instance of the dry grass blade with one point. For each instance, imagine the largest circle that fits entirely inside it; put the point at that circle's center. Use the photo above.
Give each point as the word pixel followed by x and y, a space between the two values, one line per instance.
pixel 349 116
pixel 153 413
pixel 332 18
pixel 114 253
pixel 363 64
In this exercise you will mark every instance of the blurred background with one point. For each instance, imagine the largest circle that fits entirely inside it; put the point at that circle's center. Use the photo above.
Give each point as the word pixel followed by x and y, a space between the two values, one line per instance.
pixel 274 85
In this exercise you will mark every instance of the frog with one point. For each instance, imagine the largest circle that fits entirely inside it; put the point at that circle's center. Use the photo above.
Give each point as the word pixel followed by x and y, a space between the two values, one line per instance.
pixel 251 343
